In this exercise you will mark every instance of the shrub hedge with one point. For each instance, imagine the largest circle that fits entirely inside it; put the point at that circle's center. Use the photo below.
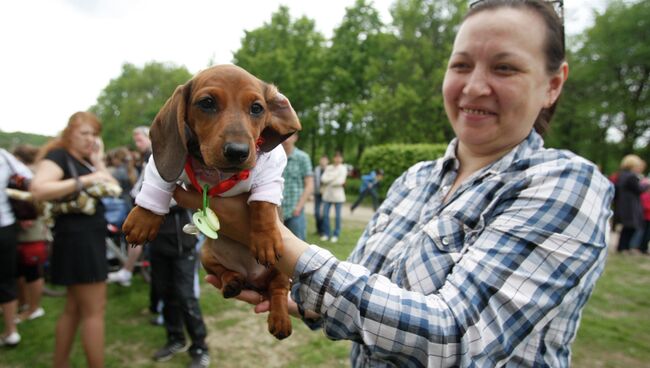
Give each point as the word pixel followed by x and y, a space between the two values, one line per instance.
pixel 394 159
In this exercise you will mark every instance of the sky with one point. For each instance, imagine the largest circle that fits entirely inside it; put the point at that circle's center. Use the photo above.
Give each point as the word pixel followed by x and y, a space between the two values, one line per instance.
pixel 58 55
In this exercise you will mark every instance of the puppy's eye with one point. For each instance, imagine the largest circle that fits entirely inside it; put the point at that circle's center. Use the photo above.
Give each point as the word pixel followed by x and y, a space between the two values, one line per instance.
pixel 257 109
pixel 207 104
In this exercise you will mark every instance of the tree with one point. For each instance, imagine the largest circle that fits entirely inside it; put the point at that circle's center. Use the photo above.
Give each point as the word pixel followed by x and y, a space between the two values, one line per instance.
pixel 289 54
pixel 406 103
pixel 356 42
pixel 612 70
pixel 134 98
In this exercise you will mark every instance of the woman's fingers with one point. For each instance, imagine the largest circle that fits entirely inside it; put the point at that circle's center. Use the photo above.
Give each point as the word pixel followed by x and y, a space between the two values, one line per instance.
pixel 260 302
pixel 263 307
pixel 214 281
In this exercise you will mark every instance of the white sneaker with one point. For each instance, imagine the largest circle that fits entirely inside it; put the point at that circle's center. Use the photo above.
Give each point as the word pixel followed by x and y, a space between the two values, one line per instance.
pixel 324 238
pixel 38 313
pixel 123 277
pixel 334 239
pixel 11 340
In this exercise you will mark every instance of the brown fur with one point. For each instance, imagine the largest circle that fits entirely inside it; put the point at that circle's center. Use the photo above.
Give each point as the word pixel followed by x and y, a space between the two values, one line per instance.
pixel 225 106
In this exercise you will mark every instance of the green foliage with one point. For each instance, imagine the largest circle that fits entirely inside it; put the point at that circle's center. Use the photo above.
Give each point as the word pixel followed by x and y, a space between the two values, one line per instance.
pixel 395 159
pixel 615 329
pixel 289 54
pixel 134 98
pixel 9 141
pixel 377 83
pixel 355 45
pixel 409 90
pixel 605 111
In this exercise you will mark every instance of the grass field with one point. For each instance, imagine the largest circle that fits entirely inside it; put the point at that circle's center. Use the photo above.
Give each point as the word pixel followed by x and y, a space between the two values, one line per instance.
pixel 615 329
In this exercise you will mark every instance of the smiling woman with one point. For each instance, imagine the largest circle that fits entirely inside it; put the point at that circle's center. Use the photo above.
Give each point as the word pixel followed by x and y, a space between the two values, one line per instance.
pixel 500 82
pixel 484 257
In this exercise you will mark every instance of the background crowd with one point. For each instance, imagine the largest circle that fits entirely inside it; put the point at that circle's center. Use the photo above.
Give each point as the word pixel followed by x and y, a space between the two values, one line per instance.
pixel 69 247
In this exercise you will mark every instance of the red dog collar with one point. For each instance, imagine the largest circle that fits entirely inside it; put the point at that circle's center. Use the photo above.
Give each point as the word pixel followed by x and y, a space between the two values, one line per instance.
pixel 224 185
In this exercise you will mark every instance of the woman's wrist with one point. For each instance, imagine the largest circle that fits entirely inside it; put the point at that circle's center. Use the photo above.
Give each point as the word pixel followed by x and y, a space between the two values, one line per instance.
pixel 79 185
pixel 293 249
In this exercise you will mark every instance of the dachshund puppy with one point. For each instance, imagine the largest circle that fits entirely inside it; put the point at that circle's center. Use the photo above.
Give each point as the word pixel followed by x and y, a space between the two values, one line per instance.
pixel 224 127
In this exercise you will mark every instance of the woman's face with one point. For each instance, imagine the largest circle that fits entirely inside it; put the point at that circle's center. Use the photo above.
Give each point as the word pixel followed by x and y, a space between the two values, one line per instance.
pixel 84 139
pixel 324 161
pixel 496 81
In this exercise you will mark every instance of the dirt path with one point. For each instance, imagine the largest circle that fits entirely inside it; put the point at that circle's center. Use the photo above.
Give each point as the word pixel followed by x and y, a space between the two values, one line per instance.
pixel 360 214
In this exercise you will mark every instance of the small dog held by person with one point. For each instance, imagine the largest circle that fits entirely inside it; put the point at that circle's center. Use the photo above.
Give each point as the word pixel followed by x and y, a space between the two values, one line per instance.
pixel 221 133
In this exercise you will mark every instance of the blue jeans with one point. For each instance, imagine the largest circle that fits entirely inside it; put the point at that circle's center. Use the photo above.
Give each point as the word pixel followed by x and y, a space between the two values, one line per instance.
pixel 297 225
pixel 337 218
pixel 318 213
pixel 369 191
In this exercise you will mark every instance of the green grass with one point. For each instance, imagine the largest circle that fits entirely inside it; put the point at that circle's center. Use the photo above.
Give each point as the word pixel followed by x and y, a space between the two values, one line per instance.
pixel 614 331
pixel 615 328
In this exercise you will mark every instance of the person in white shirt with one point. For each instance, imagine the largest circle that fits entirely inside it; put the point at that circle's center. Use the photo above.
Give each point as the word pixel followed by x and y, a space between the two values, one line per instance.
pixel 333 192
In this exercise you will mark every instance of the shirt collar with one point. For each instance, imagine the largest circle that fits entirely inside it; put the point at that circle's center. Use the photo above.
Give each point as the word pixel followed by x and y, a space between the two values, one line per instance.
pixel 532 143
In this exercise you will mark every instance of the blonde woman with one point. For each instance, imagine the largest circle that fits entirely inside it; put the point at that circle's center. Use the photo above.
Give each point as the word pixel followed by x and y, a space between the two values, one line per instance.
pixel 627 206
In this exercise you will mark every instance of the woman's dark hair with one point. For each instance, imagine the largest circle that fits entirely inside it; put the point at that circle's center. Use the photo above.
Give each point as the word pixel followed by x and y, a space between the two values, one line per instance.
pixel 554 43
pixel 26 153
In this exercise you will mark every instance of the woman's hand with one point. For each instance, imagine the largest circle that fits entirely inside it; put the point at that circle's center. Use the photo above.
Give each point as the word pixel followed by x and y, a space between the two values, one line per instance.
pixel 97 156
pixel 260 302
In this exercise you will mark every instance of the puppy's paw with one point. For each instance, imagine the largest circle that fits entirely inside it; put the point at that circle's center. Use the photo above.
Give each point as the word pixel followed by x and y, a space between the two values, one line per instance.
pixel 141 225
pixel 279 325
pixel 267 247
pixel 234 286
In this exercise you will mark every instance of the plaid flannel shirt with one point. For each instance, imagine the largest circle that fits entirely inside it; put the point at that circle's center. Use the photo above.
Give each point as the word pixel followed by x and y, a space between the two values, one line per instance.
pixel 298 167
pixel 495 276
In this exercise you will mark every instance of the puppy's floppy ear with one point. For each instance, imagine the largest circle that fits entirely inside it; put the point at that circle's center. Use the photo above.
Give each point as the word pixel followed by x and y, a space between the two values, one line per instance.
pixel 283 121
pixel 168 140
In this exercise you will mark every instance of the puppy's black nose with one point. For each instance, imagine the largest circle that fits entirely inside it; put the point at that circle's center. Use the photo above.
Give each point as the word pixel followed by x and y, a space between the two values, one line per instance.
pixel 236 152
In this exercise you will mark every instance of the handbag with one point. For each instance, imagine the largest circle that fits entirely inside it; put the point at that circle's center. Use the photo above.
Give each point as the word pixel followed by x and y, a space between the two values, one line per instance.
pixel 32 253
pixel 22 204
pixel 20 199
pixel 83 201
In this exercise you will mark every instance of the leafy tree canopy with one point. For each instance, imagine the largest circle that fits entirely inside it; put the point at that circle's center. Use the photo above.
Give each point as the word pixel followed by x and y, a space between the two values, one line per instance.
pixel 134 98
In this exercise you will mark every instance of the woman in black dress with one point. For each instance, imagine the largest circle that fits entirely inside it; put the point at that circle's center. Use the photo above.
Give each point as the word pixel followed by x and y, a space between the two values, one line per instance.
pixel 627 203
pixel 78 258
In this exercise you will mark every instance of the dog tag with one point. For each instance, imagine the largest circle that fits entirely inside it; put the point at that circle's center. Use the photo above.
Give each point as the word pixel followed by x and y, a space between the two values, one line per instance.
pixel 191 229
pixel 202 223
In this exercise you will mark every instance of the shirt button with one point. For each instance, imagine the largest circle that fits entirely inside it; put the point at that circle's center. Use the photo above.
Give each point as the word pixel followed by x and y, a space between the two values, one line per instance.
pixel 445 241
